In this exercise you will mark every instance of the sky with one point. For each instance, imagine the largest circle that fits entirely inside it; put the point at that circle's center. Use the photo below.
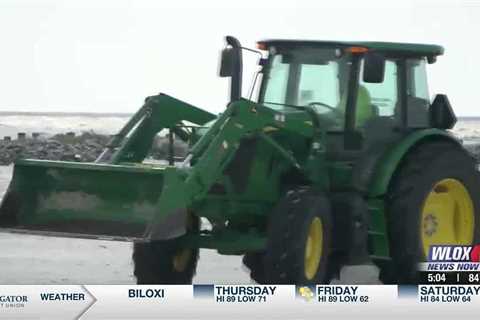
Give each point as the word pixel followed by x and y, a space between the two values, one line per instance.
pixel 107 56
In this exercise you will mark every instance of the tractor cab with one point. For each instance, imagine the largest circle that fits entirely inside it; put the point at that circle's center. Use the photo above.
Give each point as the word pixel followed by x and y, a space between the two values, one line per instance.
pixel 363 92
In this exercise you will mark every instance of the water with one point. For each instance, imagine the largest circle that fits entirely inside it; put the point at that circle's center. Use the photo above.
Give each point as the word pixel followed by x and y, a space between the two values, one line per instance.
pixel 49 124
pixel 468 128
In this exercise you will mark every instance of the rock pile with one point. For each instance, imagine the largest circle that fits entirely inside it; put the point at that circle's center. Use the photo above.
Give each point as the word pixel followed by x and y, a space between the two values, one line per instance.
pixel 87 146
pixel 69 147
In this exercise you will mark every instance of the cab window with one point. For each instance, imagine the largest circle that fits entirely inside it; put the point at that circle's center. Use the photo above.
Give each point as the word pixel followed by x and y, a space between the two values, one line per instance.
pixel 382 97
pixel 308 77
pixel 276 91
pixel 318 83
pixel 418 99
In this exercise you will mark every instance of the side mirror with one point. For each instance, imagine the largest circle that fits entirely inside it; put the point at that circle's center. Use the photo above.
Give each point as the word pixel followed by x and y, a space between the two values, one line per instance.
pixel 227 62
pixel 231 66
pixel 373 67
pixel 441 113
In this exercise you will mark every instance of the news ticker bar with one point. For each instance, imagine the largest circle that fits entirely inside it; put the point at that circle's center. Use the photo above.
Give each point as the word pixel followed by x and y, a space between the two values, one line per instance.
pixel 237 301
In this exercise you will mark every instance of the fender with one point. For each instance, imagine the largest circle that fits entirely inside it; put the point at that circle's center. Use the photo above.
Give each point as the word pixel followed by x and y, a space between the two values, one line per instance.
pixel 391 159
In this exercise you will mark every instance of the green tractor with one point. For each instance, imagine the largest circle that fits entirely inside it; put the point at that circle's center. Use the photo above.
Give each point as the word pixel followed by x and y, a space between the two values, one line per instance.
pixel 342 160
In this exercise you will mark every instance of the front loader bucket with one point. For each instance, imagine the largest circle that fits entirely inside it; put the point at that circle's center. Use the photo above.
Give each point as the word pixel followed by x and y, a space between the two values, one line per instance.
pixel 82 200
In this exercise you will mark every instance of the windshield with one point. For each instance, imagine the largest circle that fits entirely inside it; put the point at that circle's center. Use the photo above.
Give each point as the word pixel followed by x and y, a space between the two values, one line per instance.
pixel 308 76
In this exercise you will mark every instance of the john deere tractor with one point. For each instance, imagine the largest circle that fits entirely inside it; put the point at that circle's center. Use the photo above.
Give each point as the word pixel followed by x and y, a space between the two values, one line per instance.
pixel 343 159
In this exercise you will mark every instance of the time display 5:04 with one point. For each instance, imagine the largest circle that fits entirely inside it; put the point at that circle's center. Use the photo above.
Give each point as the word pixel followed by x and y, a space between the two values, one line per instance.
pixel 449 278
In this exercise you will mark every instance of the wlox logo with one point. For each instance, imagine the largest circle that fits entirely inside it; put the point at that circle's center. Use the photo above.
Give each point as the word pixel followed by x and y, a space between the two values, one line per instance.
pixel 452 253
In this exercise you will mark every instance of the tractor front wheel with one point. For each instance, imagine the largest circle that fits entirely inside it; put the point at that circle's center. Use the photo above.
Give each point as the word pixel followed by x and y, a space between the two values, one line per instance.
pixel 299 237
pixel 255 262
pixel 165 262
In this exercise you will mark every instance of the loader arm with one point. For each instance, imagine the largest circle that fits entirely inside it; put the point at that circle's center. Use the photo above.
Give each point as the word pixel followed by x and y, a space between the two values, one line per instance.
pixel 214 151
pixel 243 119
pixel 122 199
pixel 112 198
pixel 158 112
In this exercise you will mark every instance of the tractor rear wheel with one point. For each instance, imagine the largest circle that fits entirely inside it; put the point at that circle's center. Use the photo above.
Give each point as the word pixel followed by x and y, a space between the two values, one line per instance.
pixel 165 262
pixel 433 200
pixel 299 236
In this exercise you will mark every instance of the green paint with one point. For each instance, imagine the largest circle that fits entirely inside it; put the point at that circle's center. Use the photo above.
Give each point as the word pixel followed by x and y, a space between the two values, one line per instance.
pixel 394 155
pixel 378 231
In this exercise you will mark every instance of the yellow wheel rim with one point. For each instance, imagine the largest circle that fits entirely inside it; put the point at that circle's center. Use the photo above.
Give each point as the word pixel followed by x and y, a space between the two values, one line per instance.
pixel 313 248
pixel 181 260
pixel 447 216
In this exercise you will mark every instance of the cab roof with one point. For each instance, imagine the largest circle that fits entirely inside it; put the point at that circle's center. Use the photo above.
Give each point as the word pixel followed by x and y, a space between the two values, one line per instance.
pixel 389 48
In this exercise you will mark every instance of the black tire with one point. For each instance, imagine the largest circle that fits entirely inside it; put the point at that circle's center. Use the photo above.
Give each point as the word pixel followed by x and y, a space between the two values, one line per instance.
pixel 255 262
pixel 155 263
pixel 287 234
pixel 421 170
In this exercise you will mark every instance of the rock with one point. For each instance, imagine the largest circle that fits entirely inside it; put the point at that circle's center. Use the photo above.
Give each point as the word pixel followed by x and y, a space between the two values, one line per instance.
pixel 21 136
pixel 85 147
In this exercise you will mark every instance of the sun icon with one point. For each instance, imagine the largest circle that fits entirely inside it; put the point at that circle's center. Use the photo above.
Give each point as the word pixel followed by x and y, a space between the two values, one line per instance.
pixel 306 293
